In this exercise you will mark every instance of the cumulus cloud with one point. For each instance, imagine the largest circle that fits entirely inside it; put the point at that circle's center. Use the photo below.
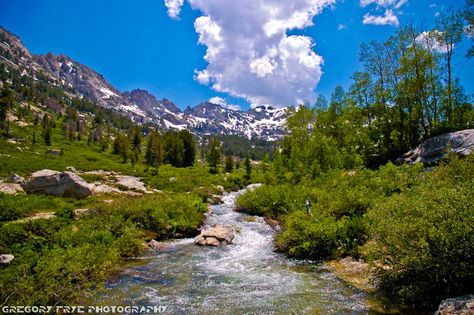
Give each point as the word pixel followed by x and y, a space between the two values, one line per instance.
pixel 222 102
pixel 174 7
pixel 249 53
pixel 387 19
pixel 390 9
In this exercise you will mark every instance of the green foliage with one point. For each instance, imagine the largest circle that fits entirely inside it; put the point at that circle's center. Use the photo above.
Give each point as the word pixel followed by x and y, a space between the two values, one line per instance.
pixel 423 237
pixel 19 206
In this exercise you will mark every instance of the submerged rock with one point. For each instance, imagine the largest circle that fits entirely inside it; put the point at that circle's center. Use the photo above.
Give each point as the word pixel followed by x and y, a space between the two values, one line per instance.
pixel 155 245
pixel 216 236
pixel 434 149
pixel 55 183
pixel 463 305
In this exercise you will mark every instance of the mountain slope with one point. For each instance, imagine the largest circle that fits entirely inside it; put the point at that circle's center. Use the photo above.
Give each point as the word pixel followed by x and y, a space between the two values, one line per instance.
pixel 81 81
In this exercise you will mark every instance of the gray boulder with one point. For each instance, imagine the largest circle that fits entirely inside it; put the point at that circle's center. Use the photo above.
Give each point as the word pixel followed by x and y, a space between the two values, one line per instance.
pixel 462 305
pixel 55 183
pixel 215 236
pixel 434 149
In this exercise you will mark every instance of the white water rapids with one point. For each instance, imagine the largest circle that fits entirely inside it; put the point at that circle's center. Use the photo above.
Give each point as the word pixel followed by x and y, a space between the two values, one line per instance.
pixel 246 277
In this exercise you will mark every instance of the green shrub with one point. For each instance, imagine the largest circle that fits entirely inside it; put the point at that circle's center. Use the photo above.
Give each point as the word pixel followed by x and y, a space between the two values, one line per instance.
pixel 423 238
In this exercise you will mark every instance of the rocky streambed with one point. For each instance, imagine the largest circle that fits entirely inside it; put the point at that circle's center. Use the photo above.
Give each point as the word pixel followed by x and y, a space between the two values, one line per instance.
pixel 244 277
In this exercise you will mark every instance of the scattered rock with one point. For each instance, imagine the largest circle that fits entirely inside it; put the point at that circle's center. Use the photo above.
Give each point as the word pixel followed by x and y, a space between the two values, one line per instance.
pixel 215 236
pixel 273 223
pixel 17 179
pixel 79 213
pixel 220 188
pixel 11 188
pixel 131 183
pixel 106 189
pixel 214 200
pixel 6 258
pixel 434 149
pixel 58 184
pixel 71 169
pixel 462 305
pixel 355 272
pixel 53 152
pixel 37 216
pixel 155 245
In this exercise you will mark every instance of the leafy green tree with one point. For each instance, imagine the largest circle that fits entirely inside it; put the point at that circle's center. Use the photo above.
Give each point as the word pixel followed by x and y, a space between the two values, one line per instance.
pixel 469 16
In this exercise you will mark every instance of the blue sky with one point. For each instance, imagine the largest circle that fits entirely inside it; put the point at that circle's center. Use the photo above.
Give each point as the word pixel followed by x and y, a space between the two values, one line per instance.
pixel 252 57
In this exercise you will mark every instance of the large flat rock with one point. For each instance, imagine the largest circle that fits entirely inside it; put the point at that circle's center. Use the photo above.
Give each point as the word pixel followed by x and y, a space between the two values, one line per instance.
pixel 56 183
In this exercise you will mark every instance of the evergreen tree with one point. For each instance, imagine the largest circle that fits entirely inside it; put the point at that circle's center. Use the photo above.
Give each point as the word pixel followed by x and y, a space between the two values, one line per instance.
pixel 154 150
pixel 47 135
pixel 189 146
pixel 229 164
pixel 214 155
pixel 248 170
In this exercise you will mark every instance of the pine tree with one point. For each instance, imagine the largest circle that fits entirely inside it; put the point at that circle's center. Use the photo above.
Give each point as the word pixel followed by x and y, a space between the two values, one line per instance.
pixel 189 154
pixel 154 150
pixel 248 170
pixel 229 164
pixel 214 155
pixel 47 135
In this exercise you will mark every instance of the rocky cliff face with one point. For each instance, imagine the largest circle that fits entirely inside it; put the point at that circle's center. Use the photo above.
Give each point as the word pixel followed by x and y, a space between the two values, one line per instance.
pixel 81 81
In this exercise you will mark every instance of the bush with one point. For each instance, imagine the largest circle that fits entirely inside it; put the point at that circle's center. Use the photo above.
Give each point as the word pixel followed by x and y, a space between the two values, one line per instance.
pixel 423 238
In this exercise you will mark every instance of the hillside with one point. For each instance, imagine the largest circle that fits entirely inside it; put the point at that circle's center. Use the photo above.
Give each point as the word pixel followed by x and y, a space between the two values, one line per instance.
pixel 139 105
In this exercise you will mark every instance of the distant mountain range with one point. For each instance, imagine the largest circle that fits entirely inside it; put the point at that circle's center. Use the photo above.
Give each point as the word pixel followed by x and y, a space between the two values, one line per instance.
pixel 262 122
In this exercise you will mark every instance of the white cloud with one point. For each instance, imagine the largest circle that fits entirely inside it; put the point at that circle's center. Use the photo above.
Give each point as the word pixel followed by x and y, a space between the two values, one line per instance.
pixel 384 3
pixel 341 27
pixel 222 102
pixel 430 41
pixel 174 7
pixel 391 9
pixel 387 19
pixel 249 53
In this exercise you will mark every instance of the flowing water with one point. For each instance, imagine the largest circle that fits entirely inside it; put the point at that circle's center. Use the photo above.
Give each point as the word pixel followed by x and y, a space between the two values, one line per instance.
pixel 246 277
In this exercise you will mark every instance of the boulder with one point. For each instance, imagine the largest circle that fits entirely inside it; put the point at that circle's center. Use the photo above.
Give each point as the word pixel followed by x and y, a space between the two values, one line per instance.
pixel 55 183
pixel 6 258
pixel 15 178
pixel 130 182
pixel 215 236
pixel 434 149
pixel 11 188
pixel 462 305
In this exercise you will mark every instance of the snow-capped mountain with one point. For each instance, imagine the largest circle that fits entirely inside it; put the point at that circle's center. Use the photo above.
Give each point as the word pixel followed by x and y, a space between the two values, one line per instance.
pixel 79 80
